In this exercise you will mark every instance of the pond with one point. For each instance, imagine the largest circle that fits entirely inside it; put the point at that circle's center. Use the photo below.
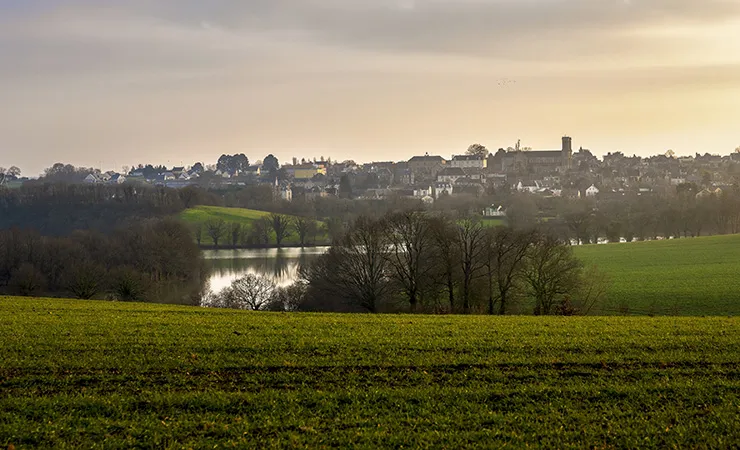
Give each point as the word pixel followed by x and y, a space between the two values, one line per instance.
pixel 281 265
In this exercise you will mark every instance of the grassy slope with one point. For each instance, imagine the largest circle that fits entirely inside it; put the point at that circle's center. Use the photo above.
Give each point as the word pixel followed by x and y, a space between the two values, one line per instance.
pixel 74 374
pixel 683 276
pixel 246 217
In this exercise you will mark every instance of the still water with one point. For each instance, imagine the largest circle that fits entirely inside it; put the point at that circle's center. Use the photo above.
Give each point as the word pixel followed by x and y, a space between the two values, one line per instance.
pixel 282 265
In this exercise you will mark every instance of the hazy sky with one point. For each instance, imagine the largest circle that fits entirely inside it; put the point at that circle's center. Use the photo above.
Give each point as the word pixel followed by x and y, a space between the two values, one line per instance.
pixel 174 81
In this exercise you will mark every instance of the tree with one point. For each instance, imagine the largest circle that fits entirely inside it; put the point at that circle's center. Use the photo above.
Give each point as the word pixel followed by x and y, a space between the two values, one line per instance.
pixel 355 269
pixel 446 248
pixel 198 232
pixel 289 298
pixel 345 187
pixel 281 226
pixel 233 163
pixel 304 227
pixel 409 234
pixel 471 239
pixel 85 280
pixel 27 280
pixel 270 165
pixel 215 229
pixel 552 273
pixel 505 256
pixel 477 150
pixel 129 285
pixel 235 233
pixel 248 292
pixel 260 233
pixel 334 227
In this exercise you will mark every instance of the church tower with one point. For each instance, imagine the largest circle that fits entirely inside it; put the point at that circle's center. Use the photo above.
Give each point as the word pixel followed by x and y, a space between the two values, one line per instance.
pixel 567 152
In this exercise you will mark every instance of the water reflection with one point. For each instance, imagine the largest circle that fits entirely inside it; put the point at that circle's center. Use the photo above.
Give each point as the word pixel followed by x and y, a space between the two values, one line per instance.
pixel 282 265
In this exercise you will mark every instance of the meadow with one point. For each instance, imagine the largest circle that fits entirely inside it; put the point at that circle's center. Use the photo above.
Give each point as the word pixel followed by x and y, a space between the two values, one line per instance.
pixel 699 276
pixel 115 375
pixel 245 217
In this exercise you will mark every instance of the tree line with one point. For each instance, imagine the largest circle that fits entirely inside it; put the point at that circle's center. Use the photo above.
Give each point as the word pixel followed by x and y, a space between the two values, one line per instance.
pixel 418 262
pixel 60 208
pixel 152 260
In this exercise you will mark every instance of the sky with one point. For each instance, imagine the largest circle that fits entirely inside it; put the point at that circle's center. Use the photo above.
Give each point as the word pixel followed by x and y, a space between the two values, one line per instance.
pixel 109 83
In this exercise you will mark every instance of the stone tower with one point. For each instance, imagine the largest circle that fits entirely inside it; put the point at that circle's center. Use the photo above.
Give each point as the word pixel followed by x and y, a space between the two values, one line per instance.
pixel 567 152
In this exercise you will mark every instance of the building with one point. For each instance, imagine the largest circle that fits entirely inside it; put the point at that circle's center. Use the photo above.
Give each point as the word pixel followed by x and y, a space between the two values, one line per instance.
pixel 305 171
pixel 592 191
pixel 494 211
pixel 426 167
pixel 539 161
pixel 469 162
pixel 450 174
pixel 441 189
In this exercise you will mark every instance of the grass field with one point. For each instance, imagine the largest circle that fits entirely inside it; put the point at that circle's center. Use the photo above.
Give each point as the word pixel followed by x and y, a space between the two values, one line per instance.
pixel 246 217
pixel 82 374
pixel 698 276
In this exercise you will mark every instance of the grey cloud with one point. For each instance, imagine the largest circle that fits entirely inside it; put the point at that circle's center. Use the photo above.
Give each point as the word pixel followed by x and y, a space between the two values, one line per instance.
pixel 477 27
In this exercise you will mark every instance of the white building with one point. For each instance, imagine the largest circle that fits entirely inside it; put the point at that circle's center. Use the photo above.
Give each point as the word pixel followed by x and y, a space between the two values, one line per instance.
pixel 469 162
pixel 424 191
pixel 441 189
pixel 592 191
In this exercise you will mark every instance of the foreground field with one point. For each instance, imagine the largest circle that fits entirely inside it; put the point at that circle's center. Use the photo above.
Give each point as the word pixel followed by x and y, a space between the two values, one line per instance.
pixel 78 374
pixel 245 217
pixel 676 277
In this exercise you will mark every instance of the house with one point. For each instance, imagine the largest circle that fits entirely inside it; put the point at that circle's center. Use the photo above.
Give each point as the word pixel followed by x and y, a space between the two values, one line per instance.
pixel 255 170
pixel 286 193
pixel 450 175
pixel 305 171
pixel 469 162
pixel 494 211
pixel 423 191
pixel 426 166
pixel 592 191
pixel 441 189
pixel 117 179
pixel 529 186
pixel 92 179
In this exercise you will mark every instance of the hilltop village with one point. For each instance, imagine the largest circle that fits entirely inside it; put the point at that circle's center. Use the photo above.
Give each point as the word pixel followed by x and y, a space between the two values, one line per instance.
pixel 563 172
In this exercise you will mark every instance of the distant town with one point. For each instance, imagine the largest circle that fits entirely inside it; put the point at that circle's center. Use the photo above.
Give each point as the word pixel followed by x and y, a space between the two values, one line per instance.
pixel 551 173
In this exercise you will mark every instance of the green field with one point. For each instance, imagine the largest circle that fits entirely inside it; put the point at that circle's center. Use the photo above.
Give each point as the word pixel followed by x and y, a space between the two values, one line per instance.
pixel 246 217
pixel 83 374
pixel 698 276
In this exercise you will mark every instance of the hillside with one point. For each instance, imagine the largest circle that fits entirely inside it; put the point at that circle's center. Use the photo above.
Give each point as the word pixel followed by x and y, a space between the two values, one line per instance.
pixel 245 217
pixel 678 277
pixel 79 374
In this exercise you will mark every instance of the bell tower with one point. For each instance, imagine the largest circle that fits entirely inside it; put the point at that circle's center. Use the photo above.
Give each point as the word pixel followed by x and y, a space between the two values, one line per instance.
pixel 567 152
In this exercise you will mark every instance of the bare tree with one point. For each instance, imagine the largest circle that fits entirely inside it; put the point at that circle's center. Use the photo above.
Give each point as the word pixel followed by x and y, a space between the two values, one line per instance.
pixel 85 280
pixel 281 226
pixel 355 269
pixel 410 238
pixel 216 230
pixel 552 273
pixel 260 233
pixel 302 226
pixel 235 233
pixel 27 280
pixel 470 238
pixel 198 232
pixel 444 237
pixel 504 260
pixel 248 292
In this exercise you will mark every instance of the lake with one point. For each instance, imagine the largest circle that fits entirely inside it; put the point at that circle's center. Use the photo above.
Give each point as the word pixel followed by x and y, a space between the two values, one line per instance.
pixel 281 265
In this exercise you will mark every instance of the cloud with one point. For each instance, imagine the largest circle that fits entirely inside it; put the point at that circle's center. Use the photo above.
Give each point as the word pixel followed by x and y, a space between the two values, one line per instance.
pixel 158 74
